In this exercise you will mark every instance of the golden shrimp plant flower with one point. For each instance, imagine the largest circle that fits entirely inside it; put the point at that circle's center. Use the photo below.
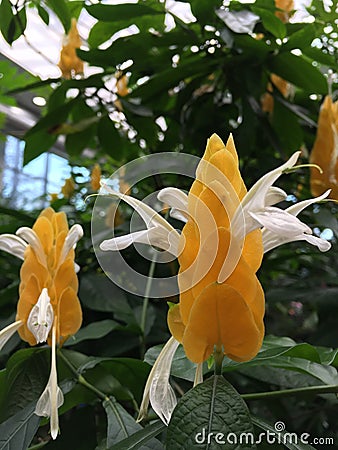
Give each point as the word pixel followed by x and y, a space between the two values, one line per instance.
pixel 48 309
pixel 227 229
pixel 325 150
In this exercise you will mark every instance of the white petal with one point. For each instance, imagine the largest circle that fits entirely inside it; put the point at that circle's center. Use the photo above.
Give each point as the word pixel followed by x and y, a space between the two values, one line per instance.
pixel 156 236
pixel 73 236
pixel 33 240
pixel 280 222
pixel 255 198
pixel 177 200
pixel 13 244
pixel 238 21
pixel 322 244
pixel 158 389
pixel 40 319
pixel 300 206
pixel 150 216
pixel 274 195
pixel 271 240
pixel 52 397
pixel 7 333
pixel 198 374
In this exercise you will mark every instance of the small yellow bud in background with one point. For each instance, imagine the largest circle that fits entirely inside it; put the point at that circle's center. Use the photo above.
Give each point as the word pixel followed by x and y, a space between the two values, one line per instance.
pixel 95 177
pixel 70 64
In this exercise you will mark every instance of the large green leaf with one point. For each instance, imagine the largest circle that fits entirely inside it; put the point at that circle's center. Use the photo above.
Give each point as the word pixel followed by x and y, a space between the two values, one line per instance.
pixel 278 430
pixel 218 413
pixel 26 376
pixel 60 7
pixel 95 330
pixel 142 438
pixel 204 10
pixel 120 423
pixel 17 432
pixel 271 22
pixel 301 39
pixel 117 13
pixel 299 72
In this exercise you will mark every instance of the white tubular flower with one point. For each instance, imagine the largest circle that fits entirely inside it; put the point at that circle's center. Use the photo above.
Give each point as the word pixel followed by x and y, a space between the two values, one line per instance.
pixel 159 232
pixel 33 240
pixel 290 228
pixel 40 319
pixel 52 397
pixel 261 195
pixel 158 390
pixel 7 332
pixel 13 244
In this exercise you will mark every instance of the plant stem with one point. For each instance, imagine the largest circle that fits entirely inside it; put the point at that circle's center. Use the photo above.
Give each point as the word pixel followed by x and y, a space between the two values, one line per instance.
pixel 218 358
pixel 326 389
pixel 81 379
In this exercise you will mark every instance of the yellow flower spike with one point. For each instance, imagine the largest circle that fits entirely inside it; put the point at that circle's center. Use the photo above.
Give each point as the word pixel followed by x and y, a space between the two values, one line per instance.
pixel 48 309
pixel 226 231
pixel 325 151
pixel 286 7
pixel 70 64
pixel 95 177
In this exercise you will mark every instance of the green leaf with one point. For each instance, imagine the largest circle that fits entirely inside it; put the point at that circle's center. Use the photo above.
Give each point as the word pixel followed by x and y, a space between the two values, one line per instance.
pixel 204 10
pixel 18 431
pixel 301 39
pixel 142 439
pixel 95 330
pixel 299 72
pixel 110 139
pixel 120 423
pixel 43 14
pixel 287 438
pixel 116 13
pixel 286 125
pixel 26 376
pixel 60 8
pixel 37 143
pixel 217 408
pixel 271 22
pixel 12 25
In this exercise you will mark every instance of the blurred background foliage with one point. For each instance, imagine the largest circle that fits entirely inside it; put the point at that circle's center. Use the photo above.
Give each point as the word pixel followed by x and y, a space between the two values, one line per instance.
pixel 167 86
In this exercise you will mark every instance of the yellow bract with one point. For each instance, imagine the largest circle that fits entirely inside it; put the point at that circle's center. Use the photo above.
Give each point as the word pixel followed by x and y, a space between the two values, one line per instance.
pixel 58 276
pixel 325 151
pixel 210 313
pixel 70 64
pixel 95 177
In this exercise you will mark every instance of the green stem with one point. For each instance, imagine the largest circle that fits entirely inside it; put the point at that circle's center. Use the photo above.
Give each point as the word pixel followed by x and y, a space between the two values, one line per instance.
pixel 327 389
pixel 218 358
pixel 81 379
pixel 146 303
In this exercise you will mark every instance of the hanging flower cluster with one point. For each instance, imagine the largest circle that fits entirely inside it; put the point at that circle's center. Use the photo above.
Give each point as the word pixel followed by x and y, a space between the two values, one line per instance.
pixel 70 64
pixel 325 151
pixel 48 309
pixel 226 232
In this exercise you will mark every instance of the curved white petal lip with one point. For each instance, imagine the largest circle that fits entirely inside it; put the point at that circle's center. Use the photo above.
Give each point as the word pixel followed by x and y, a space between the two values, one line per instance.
pixel 158 390
pixel 72 238
pixel 275 238
pixel 7 332
pixel 33 240
pixel 13 244
pixel 177 200
pixel 159 232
